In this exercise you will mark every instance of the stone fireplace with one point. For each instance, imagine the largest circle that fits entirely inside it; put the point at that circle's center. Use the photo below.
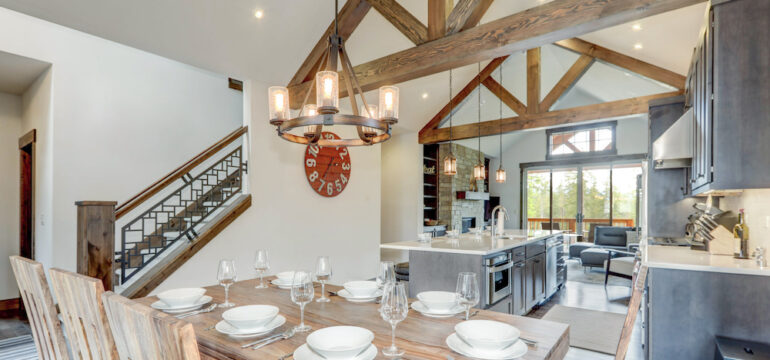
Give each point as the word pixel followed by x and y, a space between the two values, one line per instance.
pixel 452 211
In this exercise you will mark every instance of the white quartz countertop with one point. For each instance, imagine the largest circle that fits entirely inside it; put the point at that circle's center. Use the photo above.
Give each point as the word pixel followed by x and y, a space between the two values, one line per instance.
pixel 473 245
pixel 683 258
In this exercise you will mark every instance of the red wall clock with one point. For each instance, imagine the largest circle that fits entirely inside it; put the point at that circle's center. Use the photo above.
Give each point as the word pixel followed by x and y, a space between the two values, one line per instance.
pixel 327 168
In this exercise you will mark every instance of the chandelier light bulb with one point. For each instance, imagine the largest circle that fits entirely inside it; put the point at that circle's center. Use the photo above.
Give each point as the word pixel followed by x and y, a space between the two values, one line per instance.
pixel 370 112
pixel 327 92
pixel 309 110
pixel 279 103
pixel 388 103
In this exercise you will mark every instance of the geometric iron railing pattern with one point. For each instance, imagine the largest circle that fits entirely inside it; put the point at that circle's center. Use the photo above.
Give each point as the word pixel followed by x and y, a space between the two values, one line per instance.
pixel 176 216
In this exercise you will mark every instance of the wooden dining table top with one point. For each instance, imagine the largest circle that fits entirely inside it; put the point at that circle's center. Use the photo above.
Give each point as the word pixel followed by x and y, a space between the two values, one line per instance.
pixel 420 336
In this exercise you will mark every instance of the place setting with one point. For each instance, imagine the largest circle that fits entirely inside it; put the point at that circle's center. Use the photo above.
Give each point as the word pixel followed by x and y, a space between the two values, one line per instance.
pixel 183 302
pixel 487 339
pixel 438 304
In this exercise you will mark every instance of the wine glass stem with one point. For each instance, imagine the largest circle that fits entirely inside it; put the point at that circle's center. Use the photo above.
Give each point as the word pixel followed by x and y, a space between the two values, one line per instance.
pixel 393 336
pixel 227 294
pixel 302 315
pixel 467 312
pixel 261 278
pixel 323 289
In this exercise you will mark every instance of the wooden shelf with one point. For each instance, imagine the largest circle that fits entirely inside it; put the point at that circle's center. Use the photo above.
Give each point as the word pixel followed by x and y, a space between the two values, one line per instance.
pixel 429 196
pixel 429 208
pixel 429 158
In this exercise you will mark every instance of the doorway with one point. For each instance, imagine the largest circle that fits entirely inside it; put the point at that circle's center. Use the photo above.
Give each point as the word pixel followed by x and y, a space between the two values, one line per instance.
pixel 27 192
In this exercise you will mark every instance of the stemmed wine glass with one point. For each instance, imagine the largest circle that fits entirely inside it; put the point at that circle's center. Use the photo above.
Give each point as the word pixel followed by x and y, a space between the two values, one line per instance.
pixel 386 273
pixel 261 265
pixel 302 291
pixel 467 291
pixel 323 272
pixel 226 277
pixel 393 309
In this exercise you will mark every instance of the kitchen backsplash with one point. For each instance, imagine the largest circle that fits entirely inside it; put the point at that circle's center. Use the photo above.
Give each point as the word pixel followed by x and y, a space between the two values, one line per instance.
pixel 756 203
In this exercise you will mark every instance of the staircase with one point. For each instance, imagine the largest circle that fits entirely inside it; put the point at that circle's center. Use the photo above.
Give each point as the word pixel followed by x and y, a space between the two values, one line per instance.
pixel 175 217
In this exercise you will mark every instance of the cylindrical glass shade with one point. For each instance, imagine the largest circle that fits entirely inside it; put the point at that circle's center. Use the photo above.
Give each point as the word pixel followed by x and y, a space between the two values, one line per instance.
pixel 279 103
pixel 388 102
pixel 309 110
pixel 371 113
pixel 478 172
pixel 450 165
pixel 327 92
pixel 500 175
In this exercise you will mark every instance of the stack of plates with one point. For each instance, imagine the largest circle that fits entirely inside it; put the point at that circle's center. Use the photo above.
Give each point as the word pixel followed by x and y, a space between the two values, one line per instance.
pixel 338 343
pixel 360 291
pixel 181 300
pixel 422 309
pixel 249 321
pixel 486 339
pixel 359 299
pixel 439 304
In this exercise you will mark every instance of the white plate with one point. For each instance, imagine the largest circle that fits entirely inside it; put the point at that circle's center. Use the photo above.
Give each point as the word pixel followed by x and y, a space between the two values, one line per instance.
pixel 160 305
pixel 225 328
pixel 304 353
pixel 422 309
pixel 281 285
pixel 349 297
pixel 515 351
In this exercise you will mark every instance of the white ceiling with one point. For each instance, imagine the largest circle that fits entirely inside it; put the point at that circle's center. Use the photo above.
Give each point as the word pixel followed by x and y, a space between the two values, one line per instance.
pixel 225 37
pixel 17 73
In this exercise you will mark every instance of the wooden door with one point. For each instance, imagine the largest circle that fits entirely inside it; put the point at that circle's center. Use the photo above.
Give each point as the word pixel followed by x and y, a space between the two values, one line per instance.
pixel 26 201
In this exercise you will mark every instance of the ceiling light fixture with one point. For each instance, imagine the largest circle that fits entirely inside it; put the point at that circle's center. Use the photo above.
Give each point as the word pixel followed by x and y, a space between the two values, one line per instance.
pixel 372 128
pixel 638 46
pixel 636 27
pixel 259 14
pixel 450 162
pixel 500 173
pixel 479 171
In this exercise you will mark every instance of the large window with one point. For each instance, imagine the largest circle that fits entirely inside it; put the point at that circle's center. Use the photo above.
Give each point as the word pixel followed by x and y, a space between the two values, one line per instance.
pixel 571 198
pixel 581 141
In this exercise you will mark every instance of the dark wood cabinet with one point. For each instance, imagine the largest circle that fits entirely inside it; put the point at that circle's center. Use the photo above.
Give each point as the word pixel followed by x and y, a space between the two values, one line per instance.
pixel 519 284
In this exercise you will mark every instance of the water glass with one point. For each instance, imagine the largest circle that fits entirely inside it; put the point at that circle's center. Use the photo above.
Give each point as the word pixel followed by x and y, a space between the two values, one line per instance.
pixel 386 273
pixel 393 309
pixel 302 291
pixel 467 291
pixel 226 277
pixel 261 265
pixel 323 272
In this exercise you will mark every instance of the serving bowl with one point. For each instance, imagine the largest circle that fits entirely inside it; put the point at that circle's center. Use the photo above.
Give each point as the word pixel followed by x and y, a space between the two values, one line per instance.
pixel 487 335
pixel 361 288
pixel 285 276
pixel 438 300
pixel 182 296
pixel 250 316
pixel 340 342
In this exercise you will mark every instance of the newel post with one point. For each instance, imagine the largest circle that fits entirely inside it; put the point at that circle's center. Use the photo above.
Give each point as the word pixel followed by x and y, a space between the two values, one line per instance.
pixel 96 240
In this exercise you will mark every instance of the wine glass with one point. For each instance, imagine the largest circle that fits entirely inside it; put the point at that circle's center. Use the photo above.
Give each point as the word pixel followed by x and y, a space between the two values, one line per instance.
pixel 386 273
pixel 393 309
pixel 261 265
pixel 323 272
pixel 301 294
pixel 467 291
pixel 226 277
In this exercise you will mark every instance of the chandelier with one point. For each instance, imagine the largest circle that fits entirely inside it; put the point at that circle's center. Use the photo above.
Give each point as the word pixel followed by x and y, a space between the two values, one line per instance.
pixel 372 126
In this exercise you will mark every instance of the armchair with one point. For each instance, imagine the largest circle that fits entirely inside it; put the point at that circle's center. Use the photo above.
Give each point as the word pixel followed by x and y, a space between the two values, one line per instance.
pixel 619 263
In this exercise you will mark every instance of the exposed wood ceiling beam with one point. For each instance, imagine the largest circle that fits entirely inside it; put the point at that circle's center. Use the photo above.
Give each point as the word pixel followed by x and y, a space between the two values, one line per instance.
pixel 537 26
pixel 467 90
pixel 533 80
pixel 404 21
pixel 350 16
pixel 567 81
pixel 639 105
pixel 437 14
pixel 477 14
pixel 466 14
pixel 508 99
pixel 624 61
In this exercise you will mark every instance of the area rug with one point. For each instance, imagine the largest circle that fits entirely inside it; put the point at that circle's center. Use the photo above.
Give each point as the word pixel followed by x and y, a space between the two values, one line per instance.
pixel 575 272
pixel 589 329
pixel 18 348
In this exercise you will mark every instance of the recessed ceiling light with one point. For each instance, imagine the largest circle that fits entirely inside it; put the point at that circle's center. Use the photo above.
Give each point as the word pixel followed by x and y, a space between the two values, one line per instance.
pixel 424 95
pixel 259 14
pixel 636 27
pixel 638 46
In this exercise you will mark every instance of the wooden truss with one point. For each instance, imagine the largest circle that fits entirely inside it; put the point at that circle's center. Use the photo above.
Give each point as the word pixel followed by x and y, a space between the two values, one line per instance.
pixel 452 38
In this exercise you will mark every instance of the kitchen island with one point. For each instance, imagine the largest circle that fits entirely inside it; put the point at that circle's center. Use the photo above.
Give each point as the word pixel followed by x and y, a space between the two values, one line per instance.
pixel 513 269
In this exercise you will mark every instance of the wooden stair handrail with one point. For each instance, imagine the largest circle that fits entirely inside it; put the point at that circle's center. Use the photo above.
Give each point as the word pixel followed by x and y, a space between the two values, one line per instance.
pixel 177 173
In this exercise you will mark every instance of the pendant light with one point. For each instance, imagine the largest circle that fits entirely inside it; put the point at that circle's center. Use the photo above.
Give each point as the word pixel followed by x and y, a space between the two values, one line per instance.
pixel 500 173
pixel 450 162
pixel 479 172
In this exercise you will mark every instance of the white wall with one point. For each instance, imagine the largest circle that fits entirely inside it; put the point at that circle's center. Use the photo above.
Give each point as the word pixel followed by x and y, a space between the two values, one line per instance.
pixel 631 138
pixel 10 130
pixel 402 188
pixel 121 119
pixel 756 203
pixel 290 220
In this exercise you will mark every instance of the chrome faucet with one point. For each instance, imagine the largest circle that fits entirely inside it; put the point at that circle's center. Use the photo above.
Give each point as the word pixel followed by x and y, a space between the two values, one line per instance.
pixel 493 231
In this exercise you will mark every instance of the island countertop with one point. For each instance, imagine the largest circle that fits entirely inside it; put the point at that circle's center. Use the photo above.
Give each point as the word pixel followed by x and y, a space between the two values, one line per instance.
pixel 473 245
pixel 683 258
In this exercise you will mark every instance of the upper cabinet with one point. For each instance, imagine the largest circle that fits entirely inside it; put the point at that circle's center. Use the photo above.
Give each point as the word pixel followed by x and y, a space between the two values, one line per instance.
pixel 728 89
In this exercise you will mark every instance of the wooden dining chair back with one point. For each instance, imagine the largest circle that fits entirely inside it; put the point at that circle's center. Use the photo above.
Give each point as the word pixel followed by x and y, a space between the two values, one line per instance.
pixel 85 322
pixel 41 311
pixel 142 333
pixel 637 291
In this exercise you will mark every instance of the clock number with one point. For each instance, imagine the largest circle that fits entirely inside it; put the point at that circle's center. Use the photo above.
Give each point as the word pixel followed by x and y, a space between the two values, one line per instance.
pixel 313 176
pixel 338 185
pixel 320 188
pixel 310 162
pixel 314 149
pixel 329 189
pixel 344 178
pixel 329 136
pixel 343 153
pixel 346 166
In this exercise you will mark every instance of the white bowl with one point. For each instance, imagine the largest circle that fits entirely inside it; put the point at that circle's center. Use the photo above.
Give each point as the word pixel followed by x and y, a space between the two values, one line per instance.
pixel 181 297
pixel 361 288
pixel 487 335
pixel 340 342
pixel 250 316
pixel 438 300
pixel 286 276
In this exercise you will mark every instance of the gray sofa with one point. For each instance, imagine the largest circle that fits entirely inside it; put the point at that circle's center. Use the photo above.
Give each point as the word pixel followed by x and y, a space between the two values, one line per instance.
pixel 605 238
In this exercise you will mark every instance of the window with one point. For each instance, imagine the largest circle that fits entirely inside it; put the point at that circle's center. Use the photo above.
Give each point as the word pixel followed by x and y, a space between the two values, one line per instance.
pixel 581 141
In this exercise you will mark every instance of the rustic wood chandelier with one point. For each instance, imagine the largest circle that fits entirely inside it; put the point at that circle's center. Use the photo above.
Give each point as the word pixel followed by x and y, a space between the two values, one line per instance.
pixel 373 127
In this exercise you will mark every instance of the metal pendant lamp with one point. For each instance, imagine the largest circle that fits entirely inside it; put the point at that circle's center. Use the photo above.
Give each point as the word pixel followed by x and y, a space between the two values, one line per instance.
pixel 479 171
pixel 500 175
pixel 450 161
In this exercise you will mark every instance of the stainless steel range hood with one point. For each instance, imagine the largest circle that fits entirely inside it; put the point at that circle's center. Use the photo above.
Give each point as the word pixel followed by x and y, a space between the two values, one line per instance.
pixel 673 149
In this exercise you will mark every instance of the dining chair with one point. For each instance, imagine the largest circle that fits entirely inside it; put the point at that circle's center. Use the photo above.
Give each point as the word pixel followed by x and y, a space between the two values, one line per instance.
pixel 142 333
pixel 41 311
pixel 638 282
pixel 82 312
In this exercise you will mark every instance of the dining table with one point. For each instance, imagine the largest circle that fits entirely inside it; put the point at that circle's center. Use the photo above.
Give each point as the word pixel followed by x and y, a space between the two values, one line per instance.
pixel 422 337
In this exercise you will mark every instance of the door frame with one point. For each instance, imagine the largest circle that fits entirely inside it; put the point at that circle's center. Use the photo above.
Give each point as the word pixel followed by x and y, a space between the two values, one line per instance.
pixel 27 145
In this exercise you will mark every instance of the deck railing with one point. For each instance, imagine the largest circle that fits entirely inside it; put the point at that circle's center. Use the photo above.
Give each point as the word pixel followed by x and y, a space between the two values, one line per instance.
pixel 570 224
